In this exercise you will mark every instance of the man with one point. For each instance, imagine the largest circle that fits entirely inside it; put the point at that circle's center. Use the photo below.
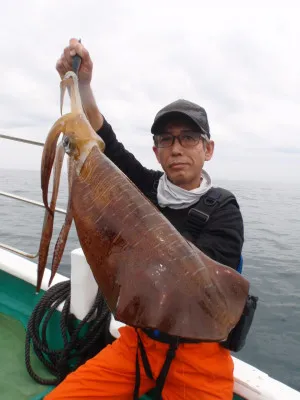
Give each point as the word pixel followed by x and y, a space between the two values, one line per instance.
pixel 181 144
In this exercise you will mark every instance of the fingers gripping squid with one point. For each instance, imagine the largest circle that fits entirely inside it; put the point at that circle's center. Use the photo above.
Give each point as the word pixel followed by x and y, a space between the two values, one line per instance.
pixel 150 276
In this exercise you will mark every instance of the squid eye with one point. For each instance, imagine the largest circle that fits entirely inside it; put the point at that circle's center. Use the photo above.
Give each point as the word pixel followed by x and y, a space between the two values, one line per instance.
pixel 67 143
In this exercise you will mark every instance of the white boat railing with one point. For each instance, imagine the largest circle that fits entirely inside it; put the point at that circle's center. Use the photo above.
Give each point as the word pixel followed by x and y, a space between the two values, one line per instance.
pixel 24 199
pixel 18 139
pixel 33 202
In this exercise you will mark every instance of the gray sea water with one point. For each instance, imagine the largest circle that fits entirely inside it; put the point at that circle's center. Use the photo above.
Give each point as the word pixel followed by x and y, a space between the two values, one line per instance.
pixel 271 260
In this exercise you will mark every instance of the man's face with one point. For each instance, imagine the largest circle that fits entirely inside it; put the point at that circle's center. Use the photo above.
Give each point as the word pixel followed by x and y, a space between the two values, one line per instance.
pixel 183 165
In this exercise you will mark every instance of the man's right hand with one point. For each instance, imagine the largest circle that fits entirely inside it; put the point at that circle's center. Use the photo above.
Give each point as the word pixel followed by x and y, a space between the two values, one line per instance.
pixel 64 64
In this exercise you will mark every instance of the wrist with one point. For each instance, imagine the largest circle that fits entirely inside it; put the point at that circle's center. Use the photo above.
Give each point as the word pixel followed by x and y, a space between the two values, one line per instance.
pixel 90 106
pixel 84 86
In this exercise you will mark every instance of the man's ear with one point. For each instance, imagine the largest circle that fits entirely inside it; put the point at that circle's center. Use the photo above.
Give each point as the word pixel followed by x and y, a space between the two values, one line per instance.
pixel 209 151
pixel 155 149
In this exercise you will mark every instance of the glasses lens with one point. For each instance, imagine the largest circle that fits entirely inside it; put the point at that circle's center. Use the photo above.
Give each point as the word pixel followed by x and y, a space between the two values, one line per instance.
pixel 164 140
pixel 190 139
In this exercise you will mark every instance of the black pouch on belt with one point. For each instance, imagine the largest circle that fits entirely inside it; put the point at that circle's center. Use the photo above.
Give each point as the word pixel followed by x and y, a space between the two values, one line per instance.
pixel 237 337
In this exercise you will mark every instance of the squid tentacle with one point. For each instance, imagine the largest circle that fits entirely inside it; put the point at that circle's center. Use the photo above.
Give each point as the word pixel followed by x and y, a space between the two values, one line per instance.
pixel 63 235
pixel 49 217
pixel 49 156
pixel 68 82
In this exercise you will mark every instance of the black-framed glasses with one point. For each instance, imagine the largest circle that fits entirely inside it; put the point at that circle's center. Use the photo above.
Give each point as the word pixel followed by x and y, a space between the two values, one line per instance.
pixel 186 139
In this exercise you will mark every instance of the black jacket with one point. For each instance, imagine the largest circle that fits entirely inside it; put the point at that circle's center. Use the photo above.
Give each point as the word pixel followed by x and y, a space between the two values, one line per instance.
pixel 223 235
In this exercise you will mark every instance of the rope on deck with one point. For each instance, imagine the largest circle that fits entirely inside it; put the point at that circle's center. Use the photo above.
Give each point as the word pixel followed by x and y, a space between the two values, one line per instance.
pixel 78 346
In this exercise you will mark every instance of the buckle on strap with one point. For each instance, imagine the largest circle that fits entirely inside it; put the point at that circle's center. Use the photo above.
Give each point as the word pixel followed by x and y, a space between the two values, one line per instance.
pixel 195 216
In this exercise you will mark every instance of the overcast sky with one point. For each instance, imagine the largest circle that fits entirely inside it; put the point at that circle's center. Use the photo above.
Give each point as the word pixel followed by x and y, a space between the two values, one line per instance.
pixel 242 65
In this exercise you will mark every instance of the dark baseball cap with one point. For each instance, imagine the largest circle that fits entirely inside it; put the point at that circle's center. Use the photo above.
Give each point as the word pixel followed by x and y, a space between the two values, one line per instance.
pixel 181 107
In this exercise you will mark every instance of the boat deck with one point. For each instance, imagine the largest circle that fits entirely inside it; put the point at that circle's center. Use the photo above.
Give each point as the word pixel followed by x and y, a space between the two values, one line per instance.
pixel 15 382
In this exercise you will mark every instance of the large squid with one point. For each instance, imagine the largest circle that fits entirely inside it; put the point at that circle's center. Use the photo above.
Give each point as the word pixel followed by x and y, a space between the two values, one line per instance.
pixel 150 275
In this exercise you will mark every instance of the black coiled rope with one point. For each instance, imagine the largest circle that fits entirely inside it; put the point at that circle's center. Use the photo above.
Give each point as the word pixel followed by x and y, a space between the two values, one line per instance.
pixel 78 347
